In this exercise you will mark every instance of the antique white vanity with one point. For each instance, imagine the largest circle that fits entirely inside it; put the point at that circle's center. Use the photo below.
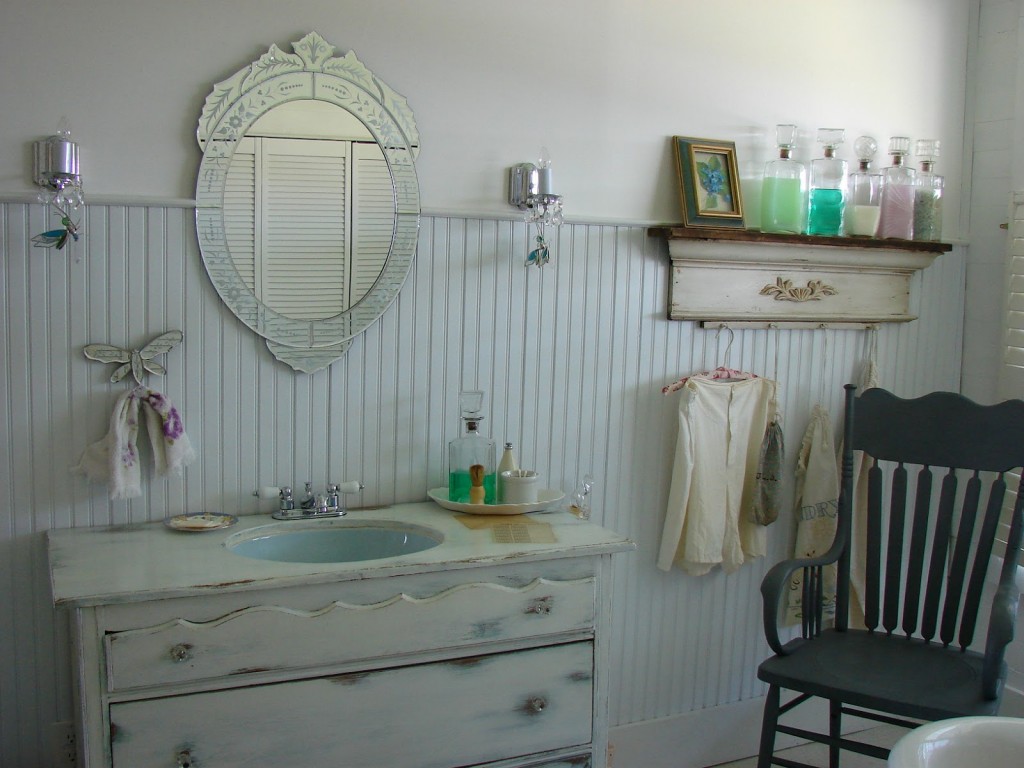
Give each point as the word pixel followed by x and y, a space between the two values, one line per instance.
pixel 486 649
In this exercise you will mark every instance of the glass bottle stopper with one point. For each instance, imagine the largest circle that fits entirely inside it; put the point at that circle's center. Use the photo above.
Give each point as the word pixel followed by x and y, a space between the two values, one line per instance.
pixel 927 150
pixel 899 147
pixel 830 138
pixel 865 148
pixel 471 402
pixel 785 137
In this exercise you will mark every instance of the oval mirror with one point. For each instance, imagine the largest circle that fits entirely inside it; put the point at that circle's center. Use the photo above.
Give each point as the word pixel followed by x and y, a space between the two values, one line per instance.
pixel 307 204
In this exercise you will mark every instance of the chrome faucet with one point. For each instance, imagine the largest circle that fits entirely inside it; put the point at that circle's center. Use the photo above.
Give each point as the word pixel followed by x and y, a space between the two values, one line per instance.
pixel 329 504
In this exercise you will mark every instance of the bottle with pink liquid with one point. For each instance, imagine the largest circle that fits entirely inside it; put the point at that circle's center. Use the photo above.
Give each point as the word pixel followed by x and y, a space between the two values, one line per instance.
pixel 898 185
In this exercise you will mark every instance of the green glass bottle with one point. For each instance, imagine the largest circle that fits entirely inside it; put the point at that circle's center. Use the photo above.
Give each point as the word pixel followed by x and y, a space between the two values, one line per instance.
pixel 826 208
pixel 469 449
pixel 784 189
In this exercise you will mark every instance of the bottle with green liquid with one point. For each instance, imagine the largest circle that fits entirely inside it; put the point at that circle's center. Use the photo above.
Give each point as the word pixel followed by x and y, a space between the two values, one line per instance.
pixel 469 449
pixel 827 202
pixel 784 189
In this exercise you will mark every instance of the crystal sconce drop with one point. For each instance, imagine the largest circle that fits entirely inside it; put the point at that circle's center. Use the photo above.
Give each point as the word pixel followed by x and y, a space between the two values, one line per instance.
pixel 530 188
pixel 56 171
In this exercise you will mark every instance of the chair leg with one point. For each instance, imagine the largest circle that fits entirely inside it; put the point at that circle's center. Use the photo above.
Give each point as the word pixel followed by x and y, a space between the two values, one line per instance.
pixel 768 722
pixel 835 729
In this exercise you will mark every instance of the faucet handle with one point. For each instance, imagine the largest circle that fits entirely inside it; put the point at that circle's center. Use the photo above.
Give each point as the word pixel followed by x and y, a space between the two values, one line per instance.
pixel 352 486
pixel 287 501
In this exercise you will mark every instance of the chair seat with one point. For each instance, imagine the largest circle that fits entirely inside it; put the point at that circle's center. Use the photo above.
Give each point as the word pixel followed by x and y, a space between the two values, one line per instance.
pixel 890 673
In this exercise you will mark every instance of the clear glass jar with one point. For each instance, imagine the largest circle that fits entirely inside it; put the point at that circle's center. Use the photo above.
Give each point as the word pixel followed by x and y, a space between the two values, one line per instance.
pixel 898 186
pixel 928 194
pixel 784 189
pixel 469 449
pixel 864 204
pixel 826 206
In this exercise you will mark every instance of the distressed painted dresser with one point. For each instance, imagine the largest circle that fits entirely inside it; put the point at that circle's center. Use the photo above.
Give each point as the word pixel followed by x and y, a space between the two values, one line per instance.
pixel 489 649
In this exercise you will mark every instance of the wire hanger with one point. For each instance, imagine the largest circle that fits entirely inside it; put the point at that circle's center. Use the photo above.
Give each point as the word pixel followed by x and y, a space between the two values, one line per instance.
pixel 720 372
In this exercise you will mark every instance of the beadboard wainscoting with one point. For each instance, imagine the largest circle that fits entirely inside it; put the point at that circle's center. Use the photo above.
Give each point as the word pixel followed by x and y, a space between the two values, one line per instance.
pixel 572 357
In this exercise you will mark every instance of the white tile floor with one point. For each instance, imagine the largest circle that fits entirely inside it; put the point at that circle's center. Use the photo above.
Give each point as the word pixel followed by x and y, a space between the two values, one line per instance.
pixel 817 754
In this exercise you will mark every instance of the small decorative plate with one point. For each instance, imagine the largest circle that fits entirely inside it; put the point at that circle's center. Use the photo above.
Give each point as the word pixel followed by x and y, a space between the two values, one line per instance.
pixel 200 521
pixel 545 498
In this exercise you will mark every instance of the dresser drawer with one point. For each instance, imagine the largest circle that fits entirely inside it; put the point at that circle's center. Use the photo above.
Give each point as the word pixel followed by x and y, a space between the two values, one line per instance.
pixel 271 637
pixel 437 715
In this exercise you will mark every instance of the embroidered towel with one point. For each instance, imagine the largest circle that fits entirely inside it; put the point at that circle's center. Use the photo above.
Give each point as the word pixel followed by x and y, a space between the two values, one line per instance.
pixel 115 458
pixel 817 502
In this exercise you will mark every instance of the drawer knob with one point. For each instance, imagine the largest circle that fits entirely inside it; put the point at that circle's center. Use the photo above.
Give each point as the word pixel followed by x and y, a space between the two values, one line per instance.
pixel 179 653
pixel 536 704
pixel 540 606
pixel 185 759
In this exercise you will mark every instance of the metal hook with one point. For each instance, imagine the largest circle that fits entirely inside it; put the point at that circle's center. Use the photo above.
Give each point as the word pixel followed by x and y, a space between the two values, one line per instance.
pixel 728 346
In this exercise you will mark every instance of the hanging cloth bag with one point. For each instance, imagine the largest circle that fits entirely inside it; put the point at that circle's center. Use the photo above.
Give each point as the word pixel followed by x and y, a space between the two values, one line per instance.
pixel 768 494
pixel 817 503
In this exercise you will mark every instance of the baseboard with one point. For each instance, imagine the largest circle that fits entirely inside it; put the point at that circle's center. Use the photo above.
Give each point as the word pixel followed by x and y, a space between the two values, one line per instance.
pixel 729 732
pixel 712 736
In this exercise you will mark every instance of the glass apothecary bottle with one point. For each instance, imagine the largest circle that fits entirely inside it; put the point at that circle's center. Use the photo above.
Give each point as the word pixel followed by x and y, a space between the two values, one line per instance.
pixel 928 193
pixel 864 204
pixel 784 189
pixel 469 449
pixel 826 207
pixel 899 182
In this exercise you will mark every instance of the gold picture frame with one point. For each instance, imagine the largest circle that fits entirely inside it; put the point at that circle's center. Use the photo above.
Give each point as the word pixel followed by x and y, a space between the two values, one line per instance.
pixel 709 184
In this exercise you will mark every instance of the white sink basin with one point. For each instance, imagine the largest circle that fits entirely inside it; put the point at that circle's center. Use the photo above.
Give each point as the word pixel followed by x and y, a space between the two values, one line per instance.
pixel 332 541
pixel 963 742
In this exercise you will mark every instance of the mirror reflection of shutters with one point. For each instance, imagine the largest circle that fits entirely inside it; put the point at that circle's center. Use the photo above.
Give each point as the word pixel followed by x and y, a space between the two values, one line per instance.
pixel 373 216
pixel 304 217
pixel 240 211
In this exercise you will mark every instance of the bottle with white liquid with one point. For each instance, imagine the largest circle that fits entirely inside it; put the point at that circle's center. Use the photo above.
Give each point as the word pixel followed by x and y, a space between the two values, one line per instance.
pixel 865 191
pixel 508 462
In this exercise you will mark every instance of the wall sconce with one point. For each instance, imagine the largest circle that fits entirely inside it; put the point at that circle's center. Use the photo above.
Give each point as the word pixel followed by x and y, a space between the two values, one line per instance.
pixel 55 169
pixel 531 190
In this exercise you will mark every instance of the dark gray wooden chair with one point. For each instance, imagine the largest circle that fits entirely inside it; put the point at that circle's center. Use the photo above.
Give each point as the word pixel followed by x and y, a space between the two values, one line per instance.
pixel 928 554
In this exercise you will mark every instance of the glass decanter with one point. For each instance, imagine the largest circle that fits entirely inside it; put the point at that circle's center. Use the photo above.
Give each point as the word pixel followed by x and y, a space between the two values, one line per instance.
pixel 470 449
pixel 864 205
pixel 928 193
pixel 784 189
pixel 827 202
pixel 896 219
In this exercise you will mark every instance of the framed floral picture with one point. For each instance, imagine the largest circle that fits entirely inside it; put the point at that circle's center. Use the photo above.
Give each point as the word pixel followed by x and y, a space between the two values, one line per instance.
pixel 709 184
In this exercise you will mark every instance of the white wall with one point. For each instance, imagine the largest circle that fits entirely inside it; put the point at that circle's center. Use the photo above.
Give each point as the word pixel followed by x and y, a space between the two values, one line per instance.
pixel 602 83
pixel 573 356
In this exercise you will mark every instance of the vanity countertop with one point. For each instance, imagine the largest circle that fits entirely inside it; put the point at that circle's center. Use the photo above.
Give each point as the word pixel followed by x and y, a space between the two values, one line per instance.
pixel 129 563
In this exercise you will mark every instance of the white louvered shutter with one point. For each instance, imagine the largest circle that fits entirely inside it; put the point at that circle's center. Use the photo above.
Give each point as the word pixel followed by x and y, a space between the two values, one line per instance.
pixel 1011 379
pixel 240 211
pixel 305 222
pixel 373 216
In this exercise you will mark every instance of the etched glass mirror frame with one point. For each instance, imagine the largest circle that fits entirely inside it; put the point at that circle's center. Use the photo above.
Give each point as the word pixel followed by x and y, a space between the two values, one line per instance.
pixel 311 72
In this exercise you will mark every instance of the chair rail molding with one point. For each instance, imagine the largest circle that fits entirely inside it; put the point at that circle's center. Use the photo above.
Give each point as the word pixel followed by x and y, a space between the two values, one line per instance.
pixel 752 276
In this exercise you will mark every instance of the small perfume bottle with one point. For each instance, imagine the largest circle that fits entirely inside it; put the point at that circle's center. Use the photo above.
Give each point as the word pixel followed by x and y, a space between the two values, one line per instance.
pixel 580 504
pixel 827 205
pixel 865 191
pixel 784 189
pixel 471 449
pixel 898 184
pixel 928 193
